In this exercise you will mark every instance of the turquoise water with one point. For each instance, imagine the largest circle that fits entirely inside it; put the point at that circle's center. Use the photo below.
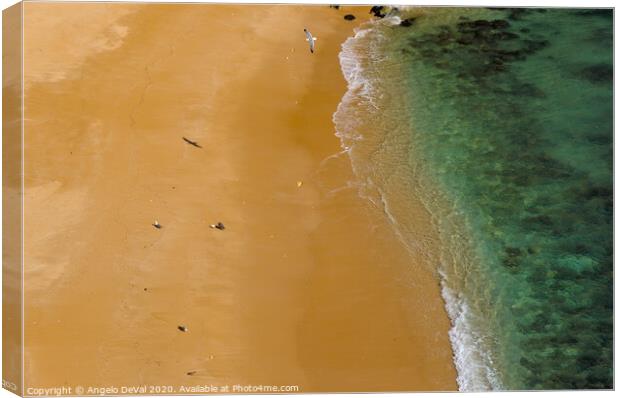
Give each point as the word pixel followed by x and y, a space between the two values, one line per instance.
pixel 500 121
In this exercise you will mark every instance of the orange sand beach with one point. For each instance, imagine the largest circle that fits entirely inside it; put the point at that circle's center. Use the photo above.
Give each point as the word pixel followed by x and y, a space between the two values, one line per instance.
pixel 306 286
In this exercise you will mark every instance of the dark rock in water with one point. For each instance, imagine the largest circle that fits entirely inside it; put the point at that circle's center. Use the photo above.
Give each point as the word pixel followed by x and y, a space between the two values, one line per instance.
pixel 600 139
pixel 509 56
pixel 481 23
pixel 378 11
pixel 484 24
pixel 444 37
pixel 469 26
pixel 548 167
pixel 486 47
pixel 513 251
pixel 515 14
pixel 500 24
pixel 466 39
pixel 407 22
pixel 532 46
pixel 504 36
pixel 427 52
pixel 598 74
pixel 498 66
pixel 599 192
pixel 349 17
pixel 482 27
pixel 182 328
pixel 512 257
pixel 581 249
pixel 191 373
pixel 335 6
pixel 540 220
pixel 441 64
pixel 595 12
pixel 510 262
pixel 602 37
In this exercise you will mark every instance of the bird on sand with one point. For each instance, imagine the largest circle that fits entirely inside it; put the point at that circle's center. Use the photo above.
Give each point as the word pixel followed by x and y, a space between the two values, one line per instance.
pixel 310 39
pixel 194 143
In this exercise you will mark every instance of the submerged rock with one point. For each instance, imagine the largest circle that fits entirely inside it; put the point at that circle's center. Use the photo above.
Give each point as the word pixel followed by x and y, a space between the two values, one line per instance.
pixel 515 14
pixel 512 258
pixel 595 12
pixel 599 192
pixel 532 46
pixel 407 22
pixel 500 24
pixel 505 36
pixel 466 39
pixel 540 221
pixel 527 90
pixel 597 74
pixel 482 25
pixel 349 17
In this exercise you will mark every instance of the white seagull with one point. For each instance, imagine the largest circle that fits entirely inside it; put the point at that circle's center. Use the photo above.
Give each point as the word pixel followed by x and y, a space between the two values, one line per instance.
pixel 310 39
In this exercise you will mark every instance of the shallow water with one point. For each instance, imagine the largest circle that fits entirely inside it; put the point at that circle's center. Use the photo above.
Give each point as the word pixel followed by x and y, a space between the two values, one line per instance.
pixel 500 121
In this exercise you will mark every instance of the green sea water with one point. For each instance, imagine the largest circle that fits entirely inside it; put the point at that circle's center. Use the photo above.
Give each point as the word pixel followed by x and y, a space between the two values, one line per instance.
pixel 501 122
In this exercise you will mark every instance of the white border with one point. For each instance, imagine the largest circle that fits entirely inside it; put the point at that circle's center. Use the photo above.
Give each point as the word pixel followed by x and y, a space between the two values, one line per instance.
pixel 504 3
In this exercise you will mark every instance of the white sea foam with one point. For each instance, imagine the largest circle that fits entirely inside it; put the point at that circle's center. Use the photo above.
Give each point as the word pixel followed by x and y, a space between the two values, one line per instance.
pixel 473 362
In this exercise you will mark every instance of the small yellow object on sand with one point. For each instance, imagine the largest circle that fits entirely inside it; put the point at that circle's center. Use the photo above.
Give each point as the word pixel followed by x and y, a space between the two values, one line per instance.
pixel 299 184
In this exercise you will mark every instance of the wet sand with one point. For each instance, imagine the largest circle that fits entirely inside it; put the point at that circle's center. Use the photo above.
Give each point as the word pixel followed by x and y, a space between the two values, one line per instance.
pixel 306 286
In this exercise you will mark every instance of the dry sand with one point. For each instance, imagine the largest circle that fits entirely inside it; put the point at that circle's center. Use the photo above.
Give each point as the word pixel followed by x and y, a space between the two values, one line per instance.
pixel 306 286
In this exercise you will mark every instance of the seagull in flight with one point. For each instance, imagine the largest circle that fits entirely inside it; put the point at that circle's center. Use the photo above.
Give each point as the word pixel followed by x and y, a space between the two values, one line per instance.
pixel 310 39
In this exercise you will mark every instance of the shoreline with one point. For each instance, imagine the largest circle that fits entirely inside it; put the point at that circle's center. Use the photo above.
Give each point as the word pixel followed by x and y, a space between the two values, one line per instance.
pixel 306 286
pixel 418 209
pixel 496 233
